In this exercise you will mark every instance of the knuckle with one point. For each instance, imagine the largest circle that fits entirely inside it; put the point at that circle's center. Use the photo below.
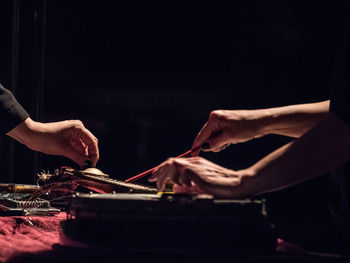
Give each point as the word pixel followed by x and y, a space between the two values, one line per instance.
pixel 213 114
pixel 216 114
pixel 169 162
pixel 78 123
pixel 196 159
pixel 237 181
pixel 176 164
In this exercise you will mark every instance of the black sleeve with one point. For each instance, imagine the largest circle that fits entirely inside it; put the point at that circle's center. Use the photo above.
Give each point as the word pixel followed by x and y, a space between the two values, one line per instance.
pixel 11 112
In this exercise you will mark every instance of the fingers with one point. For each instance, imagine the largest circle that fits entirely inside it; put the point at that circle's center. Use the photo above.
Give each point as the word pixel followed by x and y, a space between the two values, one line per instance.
pixel 219 142
pixel 75 155
pixel 84 145
pixel 212 133
pixel 184 178
pixel 215 143
pixel 184 189
pixel 92 146
pixel 171 170
pixel 201 138
pixel 163 173
pixel 180 189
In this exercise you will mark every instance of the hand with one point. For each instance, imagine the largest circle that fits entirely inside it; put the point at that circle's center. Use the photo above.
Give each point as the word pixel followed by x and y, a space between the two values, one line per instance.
pixel 67 138
pixel 225 127
pixel 184 189
pixel 196 174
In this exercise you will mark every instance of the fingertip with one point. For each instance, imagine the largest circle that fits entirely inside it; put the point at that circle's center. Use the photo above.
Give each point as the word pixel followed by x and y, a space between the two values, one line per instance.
pixel 93 153
pixel 160 185
pixel 152 179
pixel 94 159
pixel 196 148
pixel 195 153
pixel 179 189
pixel 91 141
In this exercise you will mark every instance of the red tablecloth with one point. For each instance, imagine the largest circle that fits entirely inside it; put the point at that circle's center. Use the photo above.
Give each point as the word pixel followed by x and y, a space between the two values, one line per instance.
pixel 28 235
pixel 33 240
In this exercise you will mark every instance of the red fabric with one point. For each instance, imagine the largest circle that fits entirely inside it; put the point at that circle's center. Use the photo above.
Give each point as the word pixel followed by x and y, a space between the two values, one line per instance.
pixel 18 236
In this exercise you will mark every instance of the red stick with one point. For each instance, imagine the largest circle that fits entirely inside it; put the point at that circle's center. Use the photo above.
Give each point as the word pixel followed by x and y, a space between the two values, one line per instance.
pixel 148 172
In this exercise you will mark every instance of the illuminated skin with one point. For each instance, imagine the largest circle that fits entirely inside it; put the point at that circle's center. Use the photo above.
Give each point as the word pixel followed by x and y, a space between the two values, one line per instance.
pixel 66 138
pixel 234 126
pixel 323 142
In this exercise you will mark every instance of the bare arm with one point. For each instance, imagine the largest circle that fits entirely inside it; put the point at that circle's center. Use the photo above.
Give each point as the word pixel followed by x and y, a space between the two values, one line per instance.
pixel 325 146
pixel 67 138
pixel 293 120
pixel 226 127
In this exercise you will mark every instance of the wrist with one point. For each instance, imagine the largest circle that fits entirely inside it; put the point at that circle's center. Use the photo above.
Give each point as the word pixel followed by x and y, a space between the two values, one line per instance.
pixel 248 178
pixel 244 187
pixel 26 131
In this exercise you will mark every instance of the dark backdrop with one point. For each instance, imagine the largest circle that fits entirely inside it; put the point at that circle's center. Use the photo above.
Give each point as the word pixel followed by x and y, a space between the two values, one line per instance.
pixel 143 76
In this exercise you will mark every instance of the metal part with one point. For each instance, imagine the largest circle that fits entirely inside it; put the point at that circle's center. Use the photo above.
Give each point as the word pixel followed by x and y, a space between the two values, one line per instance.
pixel 93 179
pixel 18 204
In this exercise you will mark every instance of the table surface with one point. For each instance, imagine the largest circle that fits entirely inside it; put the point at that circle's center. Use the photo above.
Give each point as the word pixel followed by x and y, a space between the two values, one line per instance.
pixel 37 239
pixel 28 234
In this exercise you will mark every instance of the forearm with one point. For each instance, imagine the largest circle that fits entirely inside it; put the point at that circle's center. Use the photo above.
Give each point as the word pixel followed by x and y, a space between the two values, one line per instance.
pixel 324 147
pixel 26 132
pixel 68 138
pixel 292 120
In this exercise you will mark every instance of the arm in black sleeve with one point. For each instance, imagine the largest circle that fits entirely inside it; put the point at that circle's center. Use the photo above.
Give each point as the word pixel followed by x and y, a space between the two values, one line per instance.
pixel 11 112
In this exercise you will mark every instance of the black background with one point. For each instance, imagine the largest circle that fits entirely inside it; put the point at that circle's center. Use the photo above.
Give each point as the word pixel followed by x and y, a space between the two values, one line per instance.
pixel 143 76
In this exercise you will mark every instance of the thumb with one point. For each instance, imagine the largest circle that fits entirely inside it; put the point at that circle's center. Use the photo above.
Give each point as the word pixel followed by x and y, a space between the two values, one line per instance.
pixel 218 142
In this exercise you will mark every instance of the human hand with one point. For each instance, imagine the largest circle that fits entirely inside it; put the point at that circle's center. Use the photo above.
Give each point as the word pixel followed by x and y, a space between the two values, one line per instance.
pixel 197 175
pixel 66 138
pixel 225 127
pixel 184 189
